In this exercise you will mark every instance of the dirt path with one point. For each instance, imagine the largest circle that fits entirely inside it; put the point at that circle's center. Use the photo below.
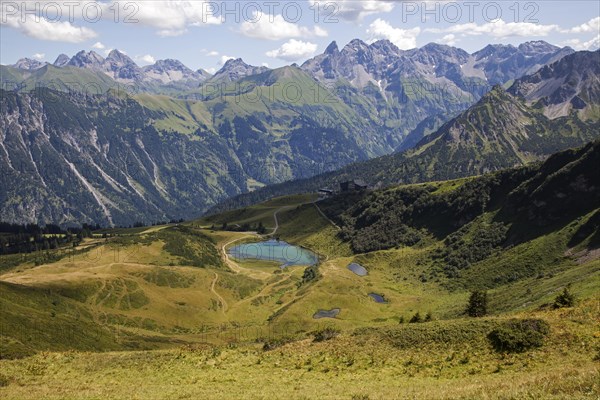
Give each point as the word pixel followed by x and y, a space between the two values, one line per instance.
pixel 221 299
pixel 276 220
pixel 235 267
pixel 325 216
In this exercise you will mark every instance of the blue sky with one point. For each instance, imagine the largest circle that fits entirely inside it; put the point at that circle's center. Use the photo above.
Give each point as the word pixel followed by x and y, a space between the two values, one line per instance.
pixel 203 34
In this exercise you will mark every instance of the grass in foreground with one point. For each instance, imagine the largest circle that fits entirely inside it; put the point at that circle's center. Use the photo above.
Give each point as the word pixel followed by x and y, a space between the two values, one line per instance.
pixel 366 364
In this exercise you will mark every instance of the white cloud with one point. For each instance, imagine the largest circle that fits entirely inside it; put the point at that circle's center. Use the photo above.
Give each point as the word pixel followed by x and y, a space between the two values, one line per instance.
pixel 403 38
pixel 212 53
pixel 211 70
pixel 275 27
pixel 320 32
pixel 577 44
pixel 98 46
pixel 500 29
pixel 593 25
pixel 39 56
pixel 148 59
pixel 19 16
pixel 45 30
pixel 171 18
pixel 293 50
pixel 171 32
pixel 224 59
pixel 265 64
pixel 449 39
pixel 349 10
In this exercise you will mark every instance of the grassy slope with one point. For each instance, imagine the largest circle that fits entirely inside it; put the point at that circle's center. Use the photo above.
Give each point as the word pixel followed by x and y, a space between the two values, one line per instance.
pixel 444 360
pixel 138 290
pixel 178 115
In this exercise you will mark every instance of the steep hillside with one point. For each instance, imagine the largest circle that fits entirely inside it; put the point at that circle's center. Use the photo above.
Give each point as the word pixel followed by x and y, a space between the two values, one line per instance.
pixel 117 159
pixel 523 204
pixel 247 127
pixel 390 90
pixel 69 159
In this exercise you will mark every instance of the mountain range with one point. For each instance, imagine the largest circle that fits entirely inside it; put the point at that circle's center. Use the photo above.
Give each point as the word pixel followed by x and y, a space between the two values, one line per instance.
pixel 394 89
pixel 121 68
pixel 505 128
pixel 176 142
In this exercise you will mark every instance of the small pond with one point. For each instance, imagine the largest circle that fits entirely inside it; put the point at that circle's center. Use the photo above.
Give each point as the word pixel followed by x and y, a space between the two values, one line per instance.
pixel 378 298
pixel 357 269
pixel 327 313
pixel 274 250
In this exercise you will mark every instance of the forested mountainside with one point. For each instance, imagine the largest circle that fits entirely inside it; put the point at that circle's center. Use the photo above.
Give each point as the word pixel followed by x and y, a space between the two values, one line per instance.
pixel 477 215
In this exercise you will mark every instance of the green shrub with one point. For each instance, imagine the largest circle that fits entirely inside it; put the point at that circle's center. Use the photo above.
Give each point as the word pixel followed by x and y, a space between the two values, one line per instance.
pixel 310 274
pixel 274 343
pixel 324 334
pixel 519 335
pixel 416 318
pixel 564 299
pixel 477 306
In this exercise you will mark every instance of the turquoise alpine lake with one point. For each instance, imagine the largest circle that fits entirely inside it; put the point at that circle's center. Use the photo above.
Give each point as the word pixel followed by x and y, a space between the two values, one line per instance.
pixel 274 250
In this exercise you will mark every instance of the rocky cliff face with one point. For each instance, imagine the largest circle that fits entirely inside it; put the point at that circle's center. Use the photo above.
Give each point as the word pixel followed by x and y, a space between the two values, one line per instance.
pixel 75 159
pixel 27 64
pixel 571 84
pixel 167 71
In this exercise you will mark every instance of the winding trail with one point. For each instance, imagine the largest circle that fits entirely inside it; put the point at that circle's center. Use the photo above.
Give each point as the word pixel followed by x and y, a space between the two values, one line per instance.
pixel 235 267
pixel 221 299
pixel 275 218
pixel 325 216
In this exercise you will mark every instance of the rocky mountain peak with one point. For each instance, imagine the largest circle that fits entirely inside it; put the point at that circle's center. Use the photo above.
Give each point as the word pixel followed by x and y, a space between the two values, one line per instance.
pixel 502 50
pixel 85 59
pixel 235 69
pixel 537 46
pixel 28 64
pixel 171 64
pixel 386 46
pixel 61 60
pixel 119 57
pixel 355 45
pixel 332 48
pixel 171 70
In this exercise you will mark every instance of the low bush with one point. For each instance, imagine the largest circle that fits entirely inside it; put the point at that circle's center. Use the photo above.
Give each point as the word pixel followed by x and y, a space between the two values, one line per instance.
pixel 515 336
pixel 564 299
pixel 415 319
pixel 273 343
pixel 324 334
